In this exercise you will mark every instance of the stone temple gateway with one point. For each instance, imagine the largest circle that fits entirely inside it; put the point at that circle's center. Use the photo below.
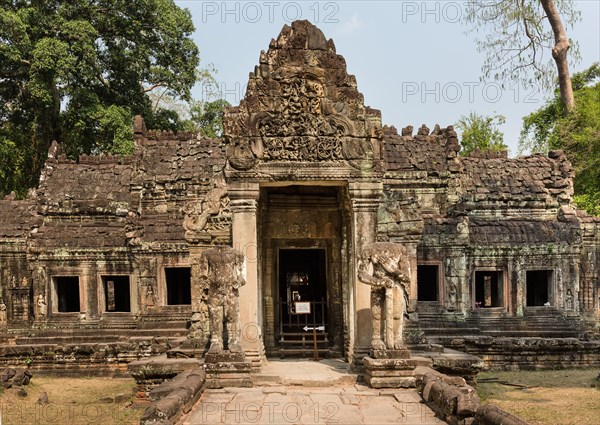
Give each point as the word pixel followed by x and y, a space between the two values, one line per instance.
pixel 101 265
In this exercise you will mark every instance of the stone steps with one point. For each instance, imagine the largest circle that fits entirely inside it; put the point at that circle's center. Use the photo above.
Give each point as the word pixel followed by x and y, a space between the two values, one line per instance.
pixel 545 333
pixel 538 322
pixel 451 331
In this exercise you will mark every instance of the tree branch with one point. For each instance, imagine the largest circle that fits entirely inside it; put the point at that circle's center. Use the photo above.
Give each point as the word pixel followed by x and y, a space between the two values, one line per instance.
pixel 154 86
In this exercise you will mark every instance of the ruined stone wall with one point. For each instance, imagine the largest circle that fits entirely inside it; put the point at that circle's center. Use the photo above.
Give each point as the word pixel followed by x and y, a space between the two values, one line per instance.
pixel 111 215
pixel 533 186
pixel 589 296
pixel 17 220
pixel 483 212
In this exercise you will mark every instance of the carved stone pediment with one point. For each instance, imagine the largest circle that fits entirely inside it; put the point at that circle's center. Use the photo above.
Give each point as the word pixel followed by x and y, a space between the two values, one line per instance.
pixel 302 106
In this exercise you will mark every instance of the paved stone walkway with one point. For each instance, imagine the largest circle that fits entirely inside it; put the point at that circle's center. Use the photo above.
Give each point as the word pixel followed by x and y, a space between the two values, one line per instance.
pixel 304 392
pixel 282 405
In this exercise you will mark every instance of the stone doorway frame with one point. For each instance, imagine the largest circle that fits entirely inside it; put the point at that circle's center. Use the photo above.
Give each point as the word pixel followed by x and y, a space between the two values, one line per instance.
pixel 337 272
pixel 363 197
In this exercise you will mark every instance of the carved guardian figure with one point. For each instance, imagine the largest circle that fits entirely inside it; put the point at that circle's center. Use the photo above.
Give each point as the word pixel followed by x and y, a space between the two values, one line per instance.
pixel 223 273
pixel 385 267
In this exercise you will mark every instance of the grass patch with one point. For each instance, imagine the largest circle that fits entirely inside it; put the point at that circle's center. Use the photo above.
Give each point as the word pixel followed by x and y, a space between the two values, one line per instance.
pixel 555 397
pixel 72 401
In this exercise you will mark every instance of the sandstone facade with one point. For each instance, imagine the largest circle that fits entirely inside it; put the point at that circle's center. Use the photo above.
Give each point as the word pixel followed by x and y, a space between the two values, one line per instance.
pixel 306 176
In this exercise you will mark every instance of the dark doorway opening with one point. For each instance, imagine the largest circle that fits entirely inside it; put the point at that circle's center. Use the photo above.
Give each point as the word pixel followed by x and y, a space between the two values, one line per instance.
pixel 488 289
pixel 116 293
pixel 179 288
pixel 302 275
pixel 427 282
pixel 67 294
pixel 538 287
pixel 302 279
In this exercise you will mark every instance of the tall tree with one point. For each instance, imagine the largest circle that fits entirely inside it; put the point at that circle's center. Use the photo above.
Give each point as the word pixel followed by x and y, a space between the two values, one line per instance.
pixel 517 37
pixel 78 71
pixel 577 133
pixel 481 132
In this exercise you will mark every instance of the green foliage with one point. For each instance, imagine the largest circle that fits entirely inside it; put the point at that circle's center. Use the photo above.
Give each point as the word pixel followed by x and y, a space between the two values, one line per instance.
pixel 79 71
pixel 517 39
pixel 11 165
pixel 481 132
pixel 207 117
pixel 577 133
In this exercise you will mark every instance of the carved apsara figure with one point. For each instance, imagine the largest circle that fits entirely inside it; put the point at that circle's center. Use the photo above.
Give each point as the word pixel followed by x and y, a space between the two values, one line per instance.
pixel 150 297
pixel 42 309
pixel 452 296
pixel 569 300
pixel 222 271
pixel 3 314
pixel 385 267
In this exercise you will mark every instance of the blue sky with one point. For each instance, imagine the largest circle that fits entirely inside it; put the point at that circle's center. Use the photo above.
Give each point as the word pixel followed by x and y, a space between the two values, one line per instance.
pixel 412 59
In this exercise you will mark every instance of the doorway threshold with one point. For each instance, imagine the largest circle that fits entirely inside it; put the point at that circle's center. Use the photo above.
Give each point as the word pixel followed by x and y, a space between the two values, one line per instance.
pixel 305 373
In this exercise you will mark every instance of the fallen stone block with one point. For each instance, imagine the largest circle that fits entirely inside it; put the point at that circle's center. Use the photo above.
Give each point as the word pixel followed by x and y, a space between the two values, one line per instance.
pixel 490 414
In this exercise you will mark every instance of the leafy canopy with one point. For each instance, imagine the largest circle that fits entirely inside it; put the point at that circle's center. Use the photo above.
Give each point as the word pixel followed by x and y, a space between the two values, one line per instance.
pixel 481 132
pixel 78 71
pixel 577 133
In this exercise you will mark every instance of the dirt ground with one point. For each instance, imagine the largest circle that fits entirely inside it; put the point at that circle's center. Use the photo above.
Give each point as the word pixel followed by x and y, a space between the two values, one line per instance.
pixel 555 397
pixel 561 397
pixel 72 401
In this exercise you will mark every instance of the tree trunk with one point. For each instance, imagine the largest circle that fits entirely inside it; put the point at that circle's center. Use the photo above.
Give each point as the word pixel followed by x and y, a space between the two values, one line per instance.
pixel 559 53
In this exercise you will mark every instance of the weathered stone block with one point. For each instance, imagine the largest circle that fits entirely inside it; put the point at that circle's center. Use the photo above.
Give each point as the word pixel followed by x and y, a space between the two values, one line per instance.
pixel 467 402
pixel 390 354
pixel 391 382
pixel 224 357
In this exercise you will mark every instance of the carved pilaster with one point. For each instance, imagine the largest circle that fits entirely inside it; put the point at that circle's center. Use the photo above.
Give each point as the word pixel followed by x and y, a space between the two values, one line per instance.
pixel 364 204
pixel 243 203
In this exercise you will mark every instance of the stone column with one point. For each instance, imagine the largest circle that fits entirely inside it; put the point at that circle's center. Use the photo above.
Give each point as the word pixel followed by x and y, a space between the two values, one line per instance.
pixel 244 201
pixel 364 203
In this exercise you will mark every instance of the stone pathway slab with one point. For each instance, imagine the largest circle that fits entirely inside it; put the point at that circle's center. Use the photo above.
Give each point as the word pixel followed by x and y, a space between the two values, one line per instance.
pixel 311 406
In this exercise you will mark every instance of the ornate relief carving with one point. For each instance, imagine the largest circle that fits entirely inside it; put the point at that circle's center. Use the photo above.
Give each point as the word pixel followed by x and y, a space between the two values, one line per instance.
pixel 222 272
pixel 399 214
pixel 301 106
pixel 41 307
pixel 209 215
pixel 240 155
pixel 3 314
pixel 386 268
pixel 302 149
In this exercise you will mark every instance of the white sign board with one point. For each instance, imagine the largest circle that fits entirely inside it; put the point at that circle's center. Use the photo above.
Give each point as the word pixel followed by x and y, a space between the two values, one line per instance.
pixel 302 307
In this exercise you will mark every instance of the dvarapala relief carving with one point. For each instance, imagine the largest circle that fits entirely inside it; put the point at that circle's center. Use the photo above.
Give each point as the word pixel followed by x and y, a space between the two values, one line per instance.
pixel 222 272
pixel 385 267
